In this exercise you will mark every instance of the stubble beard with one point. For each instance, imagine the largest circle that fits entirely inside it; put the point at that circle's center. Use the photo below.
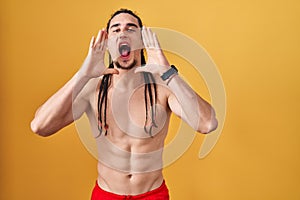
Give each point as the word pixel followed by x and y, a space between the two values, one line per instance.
pixel 132 65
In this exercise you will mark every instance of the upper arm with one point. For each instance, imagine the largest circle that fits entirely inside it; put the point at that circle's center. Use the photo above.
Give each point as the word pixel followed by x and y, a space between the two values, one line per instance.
pixel 174 105
pixel 60 111
pixel 203 122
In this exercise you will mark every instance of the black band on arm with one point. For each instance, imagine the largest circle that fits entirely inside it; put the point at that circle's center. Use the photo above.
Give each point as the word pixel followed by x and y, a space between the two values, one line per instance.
pixel 169 73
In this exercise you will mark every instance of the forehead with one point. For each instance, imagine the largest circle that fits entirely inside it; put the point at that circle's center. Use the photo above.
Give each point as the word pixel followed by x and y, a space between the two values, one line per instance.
pixel 123 18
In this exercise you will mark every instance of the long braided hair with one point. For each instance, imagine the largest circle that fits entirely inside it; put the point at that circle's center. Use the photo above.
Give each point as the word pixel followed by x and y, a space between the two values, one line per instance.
pixel 150 91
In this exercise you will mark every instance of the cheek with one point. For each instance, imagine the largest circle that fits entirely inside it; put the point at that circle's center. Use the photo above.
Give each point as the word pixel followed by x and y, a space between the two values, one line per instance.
pixel 137 43
pixel 112 46
pixel 111 42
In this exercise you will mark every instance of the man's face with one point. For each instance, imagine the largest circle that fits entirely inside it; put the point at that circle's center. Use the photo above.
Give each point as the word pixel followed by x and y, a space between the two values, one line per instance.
pixel 125 41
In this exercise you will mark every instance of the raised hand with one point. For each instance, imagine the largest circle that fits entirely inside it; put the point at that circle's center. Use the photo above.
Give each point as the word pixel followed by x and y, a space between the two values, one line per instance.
pixel 156 62
pixel 93 65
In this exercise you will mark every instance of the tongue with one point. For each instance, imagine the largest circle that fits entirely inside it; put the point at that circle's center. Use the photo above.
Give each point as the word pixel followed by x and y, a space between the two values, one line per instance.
pixel 124 50
pixel 125 53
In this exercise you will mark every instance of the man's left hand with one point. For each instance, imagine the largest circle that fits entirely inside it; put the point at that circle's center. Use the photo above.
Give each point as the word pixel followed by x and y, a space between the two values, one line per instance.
pixel 156 62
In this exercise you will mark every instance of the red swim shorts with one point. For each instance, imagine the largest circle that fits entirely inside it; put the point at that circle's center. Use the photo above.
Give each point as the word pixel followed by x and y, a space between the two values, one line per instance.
pixel 161 193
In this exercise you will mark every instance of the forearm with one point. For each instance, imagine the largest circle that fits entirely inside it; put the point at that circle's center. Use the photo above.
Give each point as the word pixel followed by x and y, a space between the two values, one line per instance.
pixel 56 112
pixel 197 112
pixel 187 104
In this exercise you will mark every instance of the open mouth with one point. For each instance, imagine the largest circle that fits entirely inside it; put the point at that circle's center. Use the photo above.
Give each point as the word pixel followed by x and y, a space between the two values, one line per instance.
pixel 124 50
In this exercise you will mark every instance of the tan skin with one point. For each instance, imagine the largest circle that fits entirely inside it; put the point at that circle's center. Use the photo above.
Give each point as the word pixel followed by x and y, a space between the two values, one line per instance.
pixel 127 164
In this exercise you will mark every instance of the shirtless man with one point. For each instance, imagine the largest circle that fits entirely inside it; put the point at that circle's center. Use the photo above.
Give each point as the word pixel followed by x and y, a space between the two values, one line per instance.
pixel 128 106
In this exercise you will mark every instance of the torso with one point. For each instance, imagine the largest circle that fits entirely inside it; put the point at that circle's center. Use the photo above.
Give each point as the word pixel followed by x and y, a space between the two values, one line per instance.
pixel 130 161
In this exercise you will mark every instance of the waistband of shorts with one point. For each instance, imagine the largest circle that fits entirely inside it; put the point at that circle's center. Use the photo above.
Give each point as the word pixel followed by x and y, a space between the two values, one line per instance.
pixel 161 188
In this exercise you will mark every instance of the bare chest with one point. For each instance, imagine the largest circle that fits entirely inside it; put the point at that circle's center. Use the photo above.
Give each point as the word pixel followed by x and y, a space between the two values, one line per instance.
pixel 134 112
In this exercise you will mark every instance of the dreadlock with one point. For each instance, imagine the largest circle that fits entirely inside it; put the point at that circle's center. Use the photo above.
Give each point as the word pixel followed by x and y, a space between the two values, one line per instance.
pixel 150 90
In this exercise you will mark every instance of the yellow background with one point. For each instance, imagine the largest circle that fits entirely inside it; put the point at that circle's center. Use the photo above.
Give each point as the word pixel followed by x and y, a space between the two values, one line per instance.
pixel 255 45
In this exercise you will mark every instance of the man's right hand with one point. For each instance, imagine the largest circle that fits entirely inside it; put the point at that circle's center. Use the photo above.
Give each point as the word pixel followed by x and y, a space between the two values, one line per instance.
pixel 57 112
pixel 93 65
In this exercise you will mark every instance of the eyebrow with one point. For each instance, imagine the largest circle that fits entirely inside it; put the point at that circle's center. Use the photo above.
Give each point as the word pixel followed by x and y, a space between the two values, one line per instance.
pixel 128 24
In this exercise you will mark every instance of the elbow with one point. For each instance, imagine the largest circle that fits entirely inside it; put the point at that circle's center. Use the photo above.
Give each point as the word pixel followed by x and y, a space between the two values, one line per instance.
pixel 34 127
pixel 37 128
pixel 208 126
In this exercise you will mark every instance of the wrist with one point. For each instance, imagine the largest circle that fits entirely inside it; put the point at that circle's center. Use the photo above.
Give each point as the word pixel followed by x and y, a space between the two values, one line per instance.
pixel 171 78
pixel 81 76
pixel 169 73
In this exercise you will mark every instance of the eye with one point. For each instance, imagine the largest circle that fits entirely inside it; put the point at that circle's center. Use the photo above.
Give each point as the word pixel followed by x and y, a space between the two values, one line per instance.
pixel 116 30
pixel 131 30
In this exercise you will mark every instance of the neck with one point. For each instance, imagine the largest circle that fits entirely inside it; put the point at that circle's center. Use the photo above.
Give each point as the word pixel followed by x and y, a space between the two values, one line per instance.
pixel 127 79
pixel 124 72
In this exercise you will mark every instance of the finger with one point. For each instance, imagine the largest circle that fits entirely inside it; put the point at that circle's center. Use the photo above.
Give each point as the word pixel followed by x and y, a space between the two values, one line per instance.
pixel 100 44
pixel 151 38
pixel 92 42
pixel 110 71
pixel 102 37
pixel 156 42
pixel 145 37
pixel 103 45
pixel 104 41
pixel 98 37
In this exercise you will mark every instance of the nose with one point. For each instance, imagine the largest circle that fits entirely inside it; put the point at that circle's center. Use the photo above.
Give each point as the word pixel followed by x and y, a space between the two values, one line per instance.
pixel 122 33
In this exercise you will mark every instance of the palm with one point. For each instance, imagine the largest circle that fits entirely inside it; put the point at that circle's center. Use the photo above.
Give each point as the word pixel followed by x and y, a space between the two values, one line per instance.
pixel 94 63
pixel 156 62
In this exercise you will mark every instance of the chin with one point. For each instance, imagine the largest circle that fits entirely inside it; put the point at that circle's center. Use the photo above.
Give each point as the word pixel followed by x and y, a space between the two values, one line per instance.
pixel 127 65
